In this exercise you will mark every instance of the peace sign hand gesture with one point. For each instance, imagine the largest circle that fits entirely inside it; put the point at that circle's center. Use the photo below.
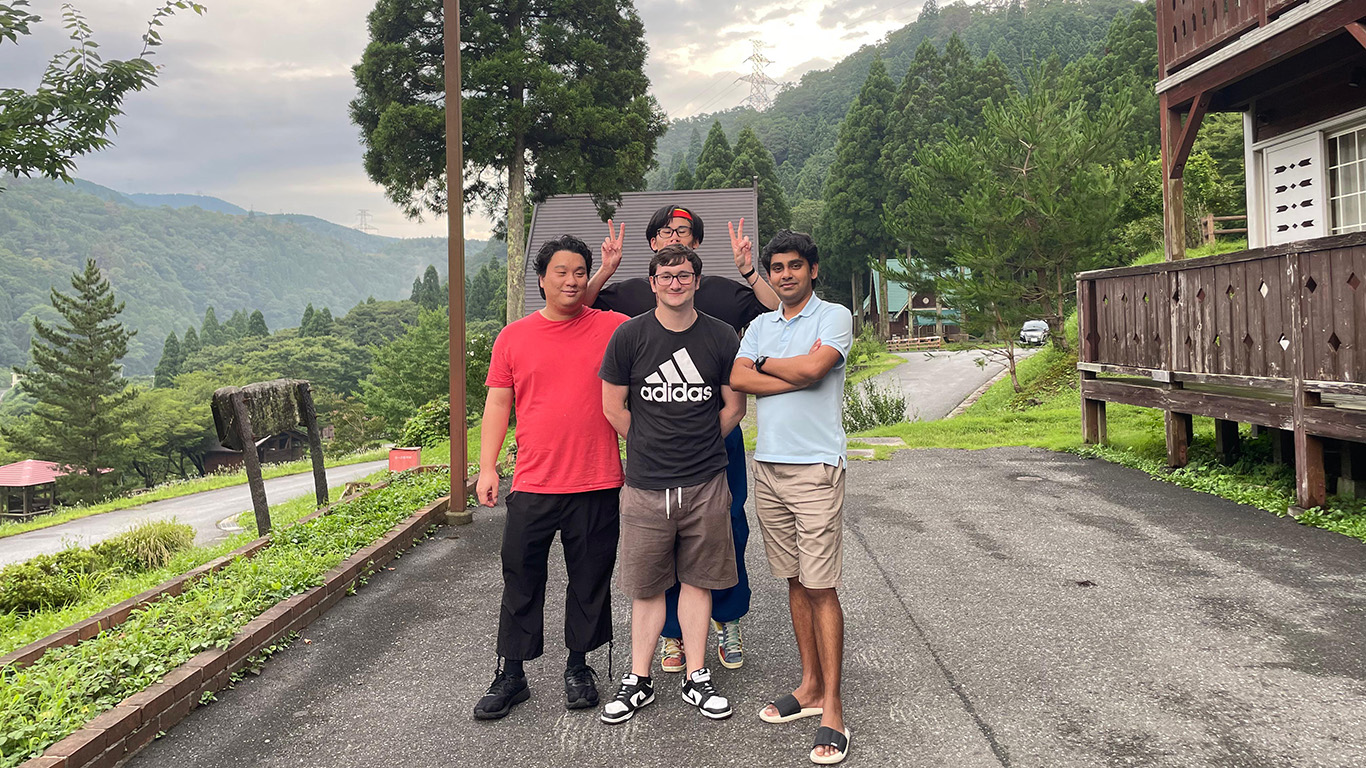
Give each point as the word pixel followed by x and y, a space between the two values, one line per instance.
pixel 741 248
pixel 611 247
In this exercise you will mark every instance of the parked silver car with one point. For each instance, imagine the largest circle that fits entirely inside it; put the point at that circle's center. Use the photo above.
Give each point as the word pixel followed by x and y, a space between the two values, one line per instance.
pixel 1034 333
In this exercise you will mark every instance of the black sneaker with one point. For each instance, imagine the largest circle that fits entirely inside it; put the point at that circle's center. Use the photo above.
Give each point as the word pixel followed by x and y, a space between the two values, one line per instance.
pixel 699 692
pixel 634 693
pixel 580 692
pixel 505 692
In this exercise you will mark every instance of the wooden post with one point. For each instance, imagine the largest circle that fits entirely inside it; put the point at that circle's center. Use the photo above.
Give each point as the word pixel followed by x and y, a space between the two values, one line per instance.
pixel 884 317
pixel 1226 439
pixel 1093 429
pixel 252 463
pixel 28 495
pixel 458 512
pixel 1178 438
pixel 1311 482
pixel 1282 445
pixel 308 414
pixel 1173 200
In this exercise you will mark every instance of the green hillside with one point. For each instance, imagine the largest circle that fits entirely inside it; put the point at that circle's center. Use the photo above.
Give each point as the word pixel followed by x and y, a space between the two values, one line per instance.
pixel 170 264
pixel 804 117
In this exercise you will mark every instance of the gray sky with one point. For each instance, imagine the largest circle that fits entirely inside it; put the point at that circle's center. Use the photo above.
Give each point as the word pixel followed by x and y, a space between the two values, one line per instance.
pixel 251 103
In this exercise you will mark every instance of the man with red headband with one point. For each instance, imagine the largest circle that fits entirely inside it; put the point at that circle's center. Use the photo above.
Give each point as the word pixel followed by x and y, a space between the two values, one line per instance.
pixel 735 305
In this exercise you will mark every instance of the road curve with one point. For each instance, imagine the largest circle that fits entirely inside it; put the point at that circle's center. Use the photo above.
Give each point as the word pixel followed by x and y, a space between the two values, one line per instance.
pixel 935 382
pixel 202 510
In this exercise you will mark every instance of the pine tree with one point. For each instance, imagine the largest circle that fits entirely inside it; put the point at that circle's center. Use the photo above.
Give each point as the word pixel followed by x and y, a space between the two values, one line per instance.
pixel 856 191
pixel 416 295
pixel 256 326
pixel 684 179
pixel 752 159
pixel 713 165
pixel 309 321
pixel 210 332
pixel 694 150
pixel 83 407
pixel 190 344
pixel 323 324
pixel 431 294
pixel 172 357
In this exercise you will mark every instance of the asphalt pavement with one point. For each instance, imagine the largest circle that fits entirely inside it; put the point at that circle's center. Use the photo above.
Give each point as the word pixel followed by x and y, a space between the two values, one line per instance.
pixel 1006 607
pixel 936 381
pixel 204 511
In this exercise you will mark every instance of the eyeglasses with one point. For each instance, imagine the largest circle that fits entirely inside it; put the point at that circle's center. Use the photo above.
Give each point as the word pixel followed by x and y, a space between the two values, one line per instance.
pixel 671 231
pixel 683 278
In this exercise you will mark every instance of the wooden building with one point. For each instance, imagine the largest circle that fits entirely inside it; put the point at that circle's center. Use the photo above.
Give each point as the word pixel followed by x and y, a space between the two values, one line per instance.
pixel 576 215
pixel 29 487
pixel 1272 336
pixel 281 447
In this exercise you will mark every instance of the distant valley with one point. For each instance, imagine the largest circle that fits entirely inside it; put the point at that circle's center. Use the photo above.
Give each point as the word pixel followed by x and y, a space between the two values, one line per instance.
pixel 170 257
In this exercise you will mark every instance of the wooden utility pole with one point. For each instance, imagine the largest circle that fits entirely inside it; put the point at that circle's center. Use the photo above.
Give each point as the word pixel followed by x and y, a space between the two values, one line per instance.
pixel 455 260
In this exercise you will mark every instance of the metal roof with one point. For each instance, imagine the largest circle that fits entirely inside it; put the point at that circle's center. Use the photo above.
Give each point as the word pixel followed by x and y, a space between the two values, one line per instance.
pixel 576 215
pixel 29 472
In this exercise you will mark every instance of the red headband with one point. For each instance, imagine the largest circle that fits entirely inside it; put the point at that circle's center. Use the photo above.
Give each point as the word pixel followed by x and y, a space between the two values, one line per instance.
pixel 679 213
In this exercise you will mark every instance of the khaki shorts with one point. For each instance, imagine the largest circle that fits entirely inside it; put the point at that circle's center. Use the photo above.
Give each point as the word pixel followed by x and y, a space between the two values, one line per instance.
pixel 801 512
pixel 665 539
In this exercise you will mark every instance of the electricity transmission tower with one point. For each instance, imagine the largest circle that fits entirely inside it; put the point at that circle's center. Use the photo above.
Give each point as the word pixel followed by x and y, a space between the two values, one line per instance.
pixel 759 81
pixel 363 221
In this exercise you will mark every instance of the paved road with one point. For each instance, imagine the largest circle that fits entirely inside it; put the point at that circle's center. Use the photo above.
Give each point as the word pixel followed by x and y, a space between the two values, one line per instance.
pixel 202 510
pixel 936 382
pixel 1211 634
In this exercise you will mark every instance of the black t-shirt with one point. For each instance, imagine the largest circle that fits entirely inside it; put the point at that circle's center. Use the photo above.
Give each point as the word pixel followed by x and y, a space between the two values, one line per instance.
pixel 673 389
pixel 726 300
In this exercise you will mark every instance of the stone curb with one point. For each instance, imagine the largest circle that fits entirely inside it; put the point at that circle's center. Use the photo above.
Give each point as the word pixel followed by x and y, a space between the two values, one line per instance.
pixel 118 734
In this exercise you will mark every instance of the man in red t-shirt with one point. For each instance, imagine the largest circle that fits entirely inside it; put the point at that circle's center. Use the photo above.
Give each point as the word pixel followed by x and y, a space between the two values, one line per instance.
pixel 567 478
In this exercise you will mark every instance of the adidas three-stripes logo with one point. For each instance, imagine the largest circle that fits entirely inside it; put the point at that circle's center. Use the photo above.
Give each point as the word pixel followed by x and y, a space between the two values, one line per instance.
pixel 676 381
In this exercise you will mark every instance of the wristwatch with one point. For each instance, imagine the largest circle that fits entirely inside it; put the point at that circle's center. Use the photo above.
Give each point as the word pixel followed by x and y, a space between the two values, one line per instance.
pixel 759 363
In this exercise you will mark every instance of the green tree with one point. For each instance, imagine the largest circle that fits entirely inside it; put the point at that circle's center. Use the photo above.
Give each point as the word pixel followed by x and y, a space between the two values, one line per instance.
pixel 694 149
pixel 851 228
pixel 171 359
pixel 171 426
pixel 190 344
pixel 72 111
pixel 376 323
pixel 306 324
pixel 210 332
pixel 1031 201
pixel 256 325
pixel 409 372
pixel 323 325
pixel 684 179
pixel 555 100
pixel 715 161
pixel 752 159
pixel 429 293
pixel 83 402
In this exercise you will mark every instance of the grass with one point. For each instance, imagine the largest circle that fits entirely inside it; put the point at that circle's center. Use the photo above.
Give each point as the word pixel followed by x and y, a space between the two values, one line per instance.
pixel 44 702
pixel 17 631
pixel 884 362
pixel 179 488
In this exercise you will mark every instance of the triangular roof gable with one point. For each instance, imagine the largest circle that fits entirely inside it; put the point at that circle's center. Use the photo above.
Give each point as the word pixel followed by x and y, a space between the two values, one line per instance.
pixel 576 215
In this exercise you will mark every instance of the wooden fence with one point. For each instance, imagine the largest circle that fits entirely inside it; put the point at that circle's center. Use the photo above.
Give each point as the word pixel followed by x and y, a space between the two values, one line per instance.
pixel 1271 337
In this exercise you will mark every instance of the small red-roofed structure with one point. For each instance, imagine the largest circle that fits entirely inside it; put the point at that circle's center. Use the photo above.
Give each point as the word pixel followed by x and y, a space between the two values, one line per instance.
pixel 22 484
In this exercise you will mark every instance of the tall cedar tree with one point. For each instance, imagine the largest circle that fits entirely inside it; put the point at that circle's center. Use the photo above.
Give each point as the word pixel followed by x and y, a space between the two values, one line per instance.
pixel 684 179
pixel 84 403
pixel 256 325
pixel 1022 207
pixel 72 111
pixel 851 229
pixel 713 164
pixel 694 149
pixel 172 357
pixel 190 344
pixel 210 332
pixel 555 100
pixel 308 323
pixel 752 159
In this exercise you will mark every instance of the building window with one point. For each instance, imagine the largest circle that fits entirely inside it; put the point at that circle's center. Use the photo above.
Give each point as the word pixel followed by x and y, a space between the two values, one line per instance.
pixel 1347 181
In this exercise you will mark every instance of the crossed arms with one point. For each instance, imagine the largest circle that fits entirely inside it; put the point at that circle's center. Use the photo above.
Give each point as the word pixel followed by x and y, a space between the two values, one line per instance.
pixel 784 374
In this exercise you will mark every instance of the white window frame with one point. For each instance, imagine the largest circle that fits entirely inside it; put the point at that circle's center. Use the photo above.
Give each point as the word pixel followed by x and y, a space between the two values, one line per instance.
pixel 1253 154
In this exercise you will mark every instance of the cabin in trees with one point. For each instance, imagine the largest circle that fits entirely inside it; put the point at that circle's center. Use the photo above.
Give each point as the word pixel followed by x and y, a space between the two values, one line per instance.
pixel 1274 336
pixel 281 447
pixel 577 215
pixel 913 314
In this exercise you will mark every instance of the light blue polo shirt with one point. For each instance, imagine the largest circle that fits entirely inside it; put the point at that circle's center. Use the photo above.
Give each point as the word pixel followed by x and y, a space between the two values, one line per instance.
pixel 805 426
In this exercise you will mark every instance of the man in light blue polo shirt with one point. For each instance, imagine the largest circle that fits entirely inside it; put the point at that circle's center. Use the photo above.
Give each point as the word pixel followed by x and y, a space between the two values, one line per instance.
pixel 792 359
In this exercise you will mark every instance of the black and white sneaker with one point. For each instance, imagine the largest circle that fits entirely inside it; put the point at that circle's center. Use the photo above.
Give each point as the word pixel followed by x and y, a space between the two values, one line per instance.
pixel 699 692
pixel 635 692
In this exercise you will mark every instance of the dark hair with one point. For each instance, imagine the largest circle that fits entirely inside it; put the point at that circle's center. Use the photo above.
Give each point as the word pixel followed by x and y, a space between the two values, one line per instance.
pixel 662 217
pixel 787 241
pixel 671 255
pixel 552 247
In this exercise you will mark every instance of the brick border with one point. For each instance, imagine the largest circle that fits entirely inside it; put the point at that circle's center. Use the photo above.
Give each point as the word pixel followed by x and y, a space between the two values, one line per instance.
pixel 117 614
pixel 115 736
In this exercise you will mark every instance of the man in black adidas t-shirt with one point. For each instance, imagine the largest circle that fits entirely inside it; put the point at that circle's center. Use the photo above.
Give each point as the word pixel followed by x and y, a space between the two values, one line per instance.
pixel 666 389
pixel 735 304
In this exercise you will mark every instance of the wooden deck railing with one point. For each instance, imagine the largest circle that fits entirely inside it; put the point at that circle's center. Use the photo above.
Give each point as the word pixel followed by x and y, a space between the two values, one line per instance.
pixel 1275 337
pixel 1192 29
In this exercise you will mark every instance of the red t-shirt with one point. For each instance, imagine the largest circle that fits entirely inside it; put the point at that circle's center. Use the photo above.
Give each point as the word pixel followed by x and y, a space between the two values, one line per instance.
pixel 564 443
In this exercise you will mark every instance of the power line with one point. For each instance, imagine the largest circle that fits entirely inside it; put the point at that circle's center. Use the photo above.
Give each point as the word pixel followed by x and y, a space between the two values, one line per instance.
pixel 759 81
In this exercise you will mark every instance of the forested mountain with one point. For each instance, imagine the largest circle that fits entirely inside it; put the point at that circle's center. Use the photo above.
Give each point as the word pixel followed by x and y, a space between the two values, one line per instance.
pixel 169 264
pixel 802 123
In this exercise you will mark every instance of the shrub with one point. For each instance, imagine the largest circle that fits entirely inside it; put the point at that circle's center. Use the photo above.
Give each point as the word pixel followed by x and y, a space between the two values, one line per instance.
pixel 431 425
pixel 866 349
pixel 36 585
pixel 147 547
pixel 868 405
